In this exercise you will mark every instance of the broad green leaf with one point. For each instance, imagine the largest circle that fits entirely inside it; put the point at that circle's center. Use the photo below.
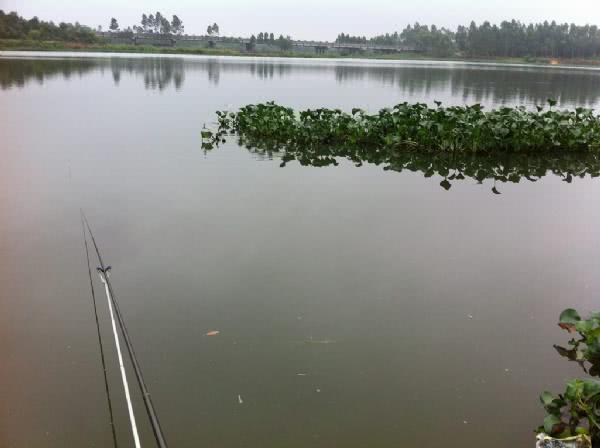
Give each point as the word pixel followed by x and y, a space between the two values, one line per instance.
pixel 569 316
pixel 552 424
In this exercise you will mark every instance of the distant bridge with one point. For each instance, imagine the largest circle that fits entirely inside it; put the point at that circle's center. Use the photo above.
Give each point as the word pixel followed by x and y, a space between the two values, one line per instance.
pixel 171 40
pixel 365 46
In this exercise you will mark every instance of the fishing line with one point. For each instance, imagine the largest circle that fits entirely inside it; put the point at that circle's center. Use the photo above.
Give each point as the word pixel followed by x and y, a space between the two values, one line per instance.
pixel 154 422
pixel 108 399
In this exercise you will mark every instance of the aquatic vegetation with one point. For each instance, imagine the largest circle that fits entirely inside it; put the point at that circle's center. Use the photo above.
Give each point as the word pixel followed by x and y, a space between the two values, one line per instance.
pixel 271 131
pixel 416 127
pixel 577 410
pixel 574 412
pixel 586 349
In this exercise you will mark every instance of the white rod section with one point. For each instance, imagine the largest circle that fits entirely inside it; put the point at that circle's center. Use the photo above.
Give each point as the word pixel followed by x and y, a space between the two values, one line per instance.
pixel 136 437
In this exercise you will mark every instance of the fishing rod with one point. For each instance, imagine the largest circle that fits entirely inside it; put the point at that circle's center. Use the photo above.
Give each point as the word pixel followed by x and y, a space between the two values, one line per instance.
pixel 108 399
pixel 154 422
pixel 136 437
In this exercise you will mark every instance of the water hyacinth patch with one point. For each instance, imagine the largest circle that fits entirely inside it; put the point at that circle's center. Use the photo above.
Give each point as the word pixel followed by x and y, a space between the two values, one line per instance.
pixel 574 412
pixel 312 139
pixel 577 410
pixel 417 127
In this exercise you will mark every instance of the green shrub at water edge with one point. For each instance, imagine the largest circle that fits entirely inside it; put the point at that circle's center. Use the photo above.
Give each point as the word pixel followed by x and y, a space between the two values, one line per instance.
pixel 417 127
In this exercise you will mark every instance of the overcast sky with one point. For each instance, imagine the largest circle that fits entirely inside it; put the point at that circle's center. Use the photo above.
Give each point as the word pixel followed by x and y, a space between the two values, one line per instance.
pixel 308 19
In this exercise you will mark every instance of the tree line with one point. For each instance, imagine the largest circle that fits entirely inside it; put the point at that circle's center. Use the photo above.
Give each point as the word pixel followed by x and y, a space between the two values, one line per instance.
pixel 509 39
pixel 284 43
pixel 152 23
pixel 13 26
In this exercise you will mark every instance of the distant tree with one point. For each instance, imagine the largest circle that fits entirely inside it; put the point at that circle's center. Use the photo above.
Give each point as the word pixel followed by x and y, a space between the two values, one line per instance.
pixel 144 22
pixel 157 22
pixel 284 43
pixel 260 37
pixel 272 37
pixel 99 28
pixel 176 25
pixel 151 22
pixel 165 25
pixel 209 30
pixel 215 29
pixel 114 25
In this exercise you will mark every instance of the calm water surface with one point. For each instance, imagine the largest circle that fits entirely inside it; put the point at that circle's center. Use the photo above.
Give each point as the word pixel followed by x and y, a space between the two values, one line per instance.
pixel 356 306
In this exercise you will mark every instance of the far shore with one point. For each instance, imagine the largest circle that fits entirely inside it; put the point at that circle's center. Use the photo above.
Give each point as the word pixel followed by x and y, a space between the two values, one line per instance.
pixel 30 45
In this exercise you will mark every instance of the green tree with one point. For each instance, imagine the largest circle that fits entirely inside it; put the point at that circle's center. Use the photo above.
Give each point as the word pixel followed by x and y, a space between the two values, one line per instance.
pixel 215 29
pixel 177 25
pixel 144 22
pixel 157 22
pixel 151 22
pixel 114 25
pixel 284 43
pixel 165 25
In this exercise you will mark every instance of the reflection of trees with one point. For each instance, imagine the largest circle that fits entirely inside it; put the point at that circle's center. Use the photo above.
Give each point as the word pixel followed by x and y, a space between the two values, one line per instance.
pixel 157 73
pixel 18 72
pixel 466 83
pixel 481 83
pixel 452 166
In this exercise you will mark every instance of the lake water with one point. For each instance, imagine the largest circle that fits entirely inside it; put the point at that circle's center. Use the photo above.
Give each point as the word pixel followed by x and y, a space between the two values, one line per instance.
pixel 357 306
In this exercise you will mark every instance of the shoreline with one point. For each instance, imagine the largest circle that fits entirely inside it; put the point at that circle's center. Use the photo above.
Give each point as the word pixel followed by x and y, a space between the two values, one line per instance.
pixel 75 47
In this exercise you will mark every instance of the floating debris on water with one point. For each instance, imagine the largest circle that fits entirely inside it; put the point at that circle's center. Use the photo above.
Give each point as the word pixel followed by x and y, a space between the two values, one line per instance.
pixel 213 333
pixel 240 401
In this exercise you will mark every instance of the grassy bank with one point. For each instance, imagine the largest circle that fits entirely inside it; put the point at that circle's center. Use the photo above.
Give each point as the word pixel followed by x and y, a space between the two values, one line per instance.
pixel 33 45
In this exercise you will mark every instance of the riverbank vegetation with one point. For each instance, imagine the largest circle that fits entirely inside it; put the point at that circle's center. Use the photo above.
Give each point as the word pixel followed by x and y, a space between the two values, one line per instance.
pixel 510 41
pixel 13 26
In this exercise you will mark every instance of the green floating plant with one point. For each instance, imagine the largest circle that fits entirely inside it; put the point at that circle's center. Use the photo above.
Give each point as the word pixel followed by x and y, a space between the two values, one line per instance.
pixel 577 410
pixel 584 349
pixel 574 412
pixel 417 127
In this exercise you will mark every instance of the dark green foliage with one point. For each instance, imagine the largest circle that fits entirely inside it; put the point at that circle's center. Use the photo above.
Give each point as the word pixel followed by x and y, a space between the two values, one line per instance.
pixel 323 137
pixel 284 43
pixel 176 25
pixel 12 26
pixel 417 127
pixel 348 39
pixel 509 39
pixel 586 349
pixel 577 410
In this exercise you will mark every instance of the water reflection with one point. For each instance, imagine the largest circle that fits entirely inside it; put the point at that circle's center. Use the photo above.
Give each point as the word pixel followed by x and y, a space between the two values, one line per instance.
pixel 17 73
pixel 157 73
pixel 452 167
pixel 484 84
pixel 415 81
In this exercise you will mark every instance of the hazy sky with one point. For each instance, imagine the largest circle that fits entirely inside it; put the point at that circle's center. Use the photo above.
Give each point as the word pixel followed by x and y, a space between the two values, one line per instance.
pixel 316 19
